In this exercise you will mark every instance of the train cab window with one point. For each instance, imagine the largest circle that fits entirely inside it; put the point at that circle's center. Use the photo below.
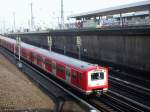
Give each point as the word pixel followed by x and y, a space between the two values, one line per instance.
pixel 97 76
pixel 101 75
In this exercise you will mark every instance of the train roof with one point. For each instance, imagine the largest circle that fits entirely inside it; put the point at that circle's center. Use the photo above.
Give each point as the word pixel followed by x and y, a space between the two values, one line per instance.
pixel 62 58
pixel 8 39
pixel 28 46
pixel 68 60
pixel 22 43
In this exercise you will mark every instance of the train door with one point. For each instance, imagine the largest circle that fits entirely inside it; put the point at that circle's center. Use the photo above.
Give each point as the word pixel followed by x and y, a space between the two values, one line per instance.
pixel 80 80
pixel 68 74
pixel 14 49
pixel 35 58
pixel 43 64
pixel 54 67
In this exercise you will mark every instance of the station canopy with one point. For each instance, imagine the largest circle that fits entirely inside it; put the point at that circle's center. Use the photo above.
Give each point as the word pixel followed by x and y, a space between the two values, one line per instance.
pixel 133 7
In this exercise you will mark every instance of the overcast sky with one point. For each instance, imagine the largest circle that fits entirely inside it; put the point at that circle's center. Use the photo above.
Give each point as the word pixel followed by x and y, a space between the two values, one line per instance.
pixel 48 11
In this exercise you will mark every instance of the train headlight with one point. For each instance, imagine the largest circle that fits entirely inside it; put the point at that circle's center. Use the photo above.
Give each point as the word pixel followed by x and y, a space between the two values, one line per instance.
pixel 105 89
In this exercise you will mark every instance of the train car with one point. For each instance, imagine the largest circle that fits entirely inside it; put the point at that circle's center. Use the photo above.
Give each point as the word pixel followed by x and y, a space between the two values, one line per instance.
pixel 82 76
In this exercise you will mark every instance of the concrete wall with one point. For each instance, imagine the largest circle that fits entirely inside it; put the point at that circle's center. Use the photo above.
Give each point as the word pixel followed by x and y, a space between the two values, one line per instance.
pixel 133 51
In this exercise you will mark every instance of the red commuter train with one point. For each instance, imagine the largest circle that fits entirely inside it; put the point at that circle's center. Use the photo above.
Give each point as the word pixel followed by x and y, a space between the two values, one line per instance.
pixel 82 76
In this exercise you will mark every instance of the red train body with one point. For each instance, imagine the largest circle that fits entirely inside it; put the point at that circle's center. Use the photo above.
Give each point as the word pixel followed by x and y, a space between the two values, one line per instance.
pixel 82 76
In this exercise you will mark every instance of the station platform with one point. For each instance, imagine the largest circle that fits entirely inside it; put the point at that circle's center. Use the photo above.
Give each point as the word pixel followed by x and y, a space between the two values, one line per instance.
pixel 18 93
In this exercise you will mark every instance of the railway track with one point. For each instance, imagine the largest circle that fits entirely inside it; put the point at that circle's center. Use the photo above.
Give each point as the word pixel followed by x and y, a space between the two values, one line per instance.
pixel 100 105
pixel 129 103
pixel 130 93
pixel 136 78
pixel 121 102
pixel 131 85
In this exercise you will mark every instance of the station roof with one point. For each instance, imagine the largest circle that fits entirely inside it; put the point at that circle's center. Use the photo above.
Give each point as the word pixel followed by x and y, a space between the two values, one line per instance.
pixel 133 7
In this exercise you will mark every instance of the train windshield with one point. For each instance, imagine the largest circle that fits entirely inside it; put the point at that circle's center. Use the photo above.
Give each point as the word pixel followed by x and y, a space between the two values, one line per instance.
pixel 97 76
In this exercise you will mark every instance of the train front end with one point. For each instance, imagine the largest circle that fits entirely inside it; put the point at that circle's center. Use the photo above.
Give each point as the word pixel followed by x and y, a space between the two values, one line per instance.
pixel 97 80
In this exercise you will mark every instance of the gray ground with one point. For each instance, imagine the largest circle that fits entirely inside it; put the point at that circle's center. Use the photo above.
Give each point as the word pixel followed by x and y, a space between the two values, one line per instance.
pixel 18 93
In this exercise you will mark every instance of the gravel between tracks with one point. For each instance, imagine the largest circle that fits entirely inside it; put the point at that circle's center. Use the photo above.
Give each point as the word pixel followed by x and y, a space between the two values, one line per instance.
pixel 18 93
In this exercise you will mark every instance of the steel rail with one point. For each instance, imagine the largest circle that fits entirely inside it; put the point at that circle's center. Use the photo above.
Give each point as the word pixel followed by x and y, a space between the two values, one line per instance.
pixel 130 83
pixel 130 100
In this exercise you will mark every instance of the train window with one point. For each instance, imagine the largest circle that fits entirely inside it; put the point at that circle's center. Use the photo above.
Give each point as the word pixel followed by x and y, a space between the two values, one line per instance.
pixel 48 63
pixel 60 69
pixel 74 75
pixel 80 75
pixel 129 18
pixel 142 17
pixel 39 59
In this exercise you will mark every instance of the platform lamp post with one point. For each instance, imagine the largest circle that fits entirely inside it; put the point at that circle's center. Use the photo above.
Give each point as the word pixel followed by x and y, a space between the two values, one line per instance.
pixel 18 43
pixel 49 38
pixel 78 42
